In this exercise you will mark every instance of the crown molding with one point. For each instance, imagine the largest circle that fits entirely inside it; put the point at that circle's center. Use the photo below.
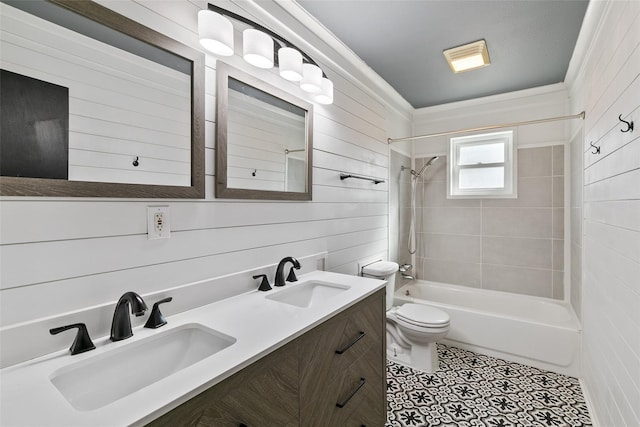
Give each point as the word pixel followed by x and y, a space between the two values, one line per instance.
pixel 492 99
pixel 592 25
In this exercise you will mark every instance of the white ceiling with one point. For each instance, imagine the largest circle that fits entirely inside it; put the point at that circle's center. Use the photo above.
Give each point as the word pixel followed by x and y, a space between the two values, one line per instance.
pixel 530 42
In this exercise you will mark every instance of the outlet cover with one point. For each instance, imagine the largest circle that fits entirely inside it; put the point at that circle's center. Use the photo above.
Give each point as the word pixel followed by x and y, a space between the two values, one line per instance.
pixel 158 222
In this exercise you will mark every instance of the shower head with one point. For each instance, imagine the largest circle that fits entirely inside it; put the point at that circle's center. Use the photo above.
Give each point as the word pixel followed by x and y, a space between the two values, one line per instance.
pixel 433 159
pixel 424 168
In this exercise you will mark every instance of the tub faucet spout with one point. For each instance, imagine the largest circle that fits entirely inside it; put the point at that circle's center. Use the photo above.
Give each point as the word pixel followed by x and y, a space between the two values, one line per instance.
pixel 121 325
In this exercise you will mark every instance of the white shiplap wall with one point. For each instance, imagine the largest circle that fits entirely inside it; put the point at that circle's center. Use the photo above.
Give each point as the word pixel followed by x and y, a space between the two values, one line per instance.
pixel 69 255
pixel 607 85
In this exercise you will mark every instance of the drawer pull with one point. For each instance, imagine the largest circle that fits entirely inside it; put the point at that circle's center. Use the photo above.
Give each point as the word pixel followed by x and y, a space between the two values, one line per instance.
pixel 342 404
pixel 348 346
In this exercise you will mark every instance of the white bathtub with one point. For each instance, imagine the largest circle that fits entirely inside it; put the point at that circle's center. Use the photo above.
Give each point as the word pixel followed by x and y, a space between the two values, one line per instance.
pixel 530 330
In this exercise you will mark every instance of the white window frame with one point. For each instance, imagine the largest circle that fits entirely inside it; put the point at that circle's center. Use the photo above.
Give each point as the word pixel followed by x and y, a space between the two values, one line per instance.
pixel 510 189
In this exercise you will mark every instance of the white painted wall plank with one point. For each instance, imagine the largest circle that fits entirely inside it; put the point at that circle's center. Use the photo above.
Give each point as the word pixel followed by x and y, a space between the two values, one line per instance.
pixel 608 87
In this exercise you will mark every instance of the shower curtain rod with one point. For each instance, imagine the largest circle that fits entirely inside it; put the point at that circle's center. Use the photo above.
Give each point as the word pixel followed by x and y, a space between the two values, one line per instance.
pixel 505 125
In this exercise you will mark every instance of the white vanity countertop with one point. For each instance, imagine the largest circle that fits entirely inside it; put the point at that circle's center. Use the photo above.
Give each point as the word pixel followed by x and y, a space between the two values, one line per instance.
pixel 260 325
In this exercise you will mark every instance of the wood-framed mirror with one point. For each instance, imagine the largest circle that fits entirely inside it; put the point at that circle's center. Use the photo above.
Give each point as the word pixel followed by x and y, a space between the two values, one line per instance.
pixel 117 105
pixel 264 140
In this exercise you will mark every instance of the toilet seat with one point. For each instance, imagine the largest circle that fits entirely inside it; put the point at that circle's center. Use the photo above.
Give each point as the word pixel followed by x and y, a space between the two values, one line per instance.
pixel 421 315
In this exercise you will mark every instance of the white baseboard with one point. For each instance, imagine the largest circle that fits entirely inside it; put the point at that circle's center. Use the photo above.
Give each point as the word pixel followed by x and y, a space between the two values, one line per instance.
pixel 587 398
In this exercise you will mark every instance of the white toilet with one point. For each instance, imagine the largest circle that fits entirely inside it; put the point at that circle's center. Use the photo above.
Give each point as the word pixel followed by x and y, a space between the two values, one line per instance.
pixel 412 329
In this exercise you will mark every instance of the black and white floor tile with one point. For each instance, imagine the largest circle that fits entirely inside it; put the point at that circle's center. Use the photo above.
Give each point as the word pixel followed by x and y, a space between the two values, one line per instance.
pixel 471 389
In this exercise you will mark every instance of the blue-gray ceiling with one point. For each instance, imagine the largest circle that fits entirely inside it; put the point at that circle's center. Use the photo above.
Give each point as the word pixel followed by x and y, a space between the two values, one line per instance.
pixel 530 42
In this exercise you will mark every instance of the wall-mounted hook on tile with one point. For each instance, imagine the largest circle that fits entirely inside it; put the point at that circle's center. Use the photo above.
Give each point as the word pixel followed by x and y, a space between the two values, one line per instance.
pixel 136 162
pixel 629 124
pixel 597 149
pixel 254 172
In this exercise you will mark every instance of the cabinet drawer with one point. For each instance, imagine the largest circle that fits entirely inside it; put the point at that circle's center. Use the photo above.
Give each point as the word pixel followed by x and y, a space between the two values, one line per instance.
pixel 361 393
pixel 335 356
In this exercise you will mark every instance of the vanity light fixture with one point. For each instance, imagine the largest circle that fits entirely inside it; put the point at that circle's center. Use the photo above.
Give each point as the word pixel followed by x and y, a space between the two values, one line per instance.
pixel 311 78
pixel 290 61
pixel 325 96
pixel 257 48
pixel 468 57
pixel 216 33
pixel 259 43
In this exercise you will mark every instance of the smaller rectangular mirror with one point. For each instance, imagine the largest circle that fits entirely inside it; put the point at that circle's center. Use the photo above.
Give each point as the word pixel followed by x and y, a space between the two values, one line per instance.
pixel 263 141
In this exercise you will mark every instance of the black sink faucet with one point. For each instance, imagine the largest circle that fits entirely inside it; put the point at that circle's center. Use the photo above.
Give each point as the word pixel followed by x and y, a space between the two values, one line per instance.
pixel 121 325
pixel 279 281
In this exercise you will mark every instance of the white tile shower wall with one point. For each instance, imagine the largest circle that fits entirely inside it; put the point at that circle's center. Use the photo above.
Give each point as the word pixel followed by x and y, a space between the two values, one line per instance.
pixel 512 245
pixel 606 85
pixel 68 255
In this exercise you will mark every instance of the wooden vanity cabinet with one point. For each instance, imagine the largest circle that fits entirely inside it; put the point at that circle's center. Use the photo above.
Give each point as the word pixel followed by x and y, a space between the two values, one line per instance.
pixel 355 378
pixel 341 361
pixel 264 393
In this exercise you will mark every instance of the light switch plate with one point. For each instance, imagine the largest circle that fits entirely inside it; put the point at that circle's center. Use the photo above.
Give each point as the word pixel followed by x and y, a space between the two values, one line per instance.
pixel 158 222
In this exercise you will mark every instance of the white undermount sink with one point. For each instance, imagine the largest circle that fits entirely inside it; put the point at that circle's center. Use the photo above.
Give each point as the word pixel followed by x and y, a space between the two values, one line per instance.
pixel 308 294
pixel 107 377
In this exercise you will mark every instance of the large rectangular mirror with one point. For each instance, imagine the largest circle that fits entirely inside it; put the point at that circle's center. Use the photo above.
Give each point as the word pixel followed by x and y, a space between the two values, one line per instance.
pixel 95 104
pixel 264 140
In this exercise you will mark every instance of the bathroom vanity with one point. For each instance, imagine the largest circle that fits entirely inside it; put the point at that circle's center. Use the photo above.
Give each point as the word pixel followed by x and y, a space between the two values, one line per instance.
pixel 310 353
pixel 333 375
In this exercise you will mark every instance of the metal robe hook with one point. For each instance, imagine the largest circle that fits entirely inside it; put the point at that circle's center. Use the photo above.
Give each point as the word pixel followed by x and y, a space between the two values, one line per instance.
pixel 254 172
pixel 629 124
pixel 596 147
pixel 136 162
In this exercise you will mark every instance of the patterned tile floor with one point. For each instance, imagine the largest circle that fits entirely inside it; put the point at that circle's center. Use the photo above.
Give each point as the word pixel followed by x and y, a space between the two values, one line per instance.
pixel 471 389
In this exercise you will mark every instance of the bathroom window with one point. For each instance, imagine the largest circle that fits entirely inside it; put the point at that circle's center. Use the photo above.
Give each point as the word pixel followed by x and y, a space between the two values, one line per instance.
pixel 482 166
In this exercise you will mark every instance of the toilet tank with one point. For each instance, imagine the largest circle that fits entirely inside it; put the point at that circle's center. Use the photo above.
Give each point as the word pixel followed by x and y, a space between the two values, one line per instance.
pixel 385 270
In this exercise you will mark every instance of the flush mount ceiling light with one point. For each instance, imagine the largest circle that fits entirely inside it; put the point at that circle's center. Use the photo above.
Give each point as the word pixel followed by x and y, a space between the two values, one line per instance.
pixel 259 43
pixel 468 57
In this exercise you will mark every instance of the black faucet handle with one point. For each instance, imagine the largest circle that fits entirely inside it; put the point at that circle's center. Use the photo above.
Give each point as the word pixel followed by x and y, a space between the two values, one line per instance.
pixel 82 342
pixel 264 284
pixel 156 319
pixel 292 275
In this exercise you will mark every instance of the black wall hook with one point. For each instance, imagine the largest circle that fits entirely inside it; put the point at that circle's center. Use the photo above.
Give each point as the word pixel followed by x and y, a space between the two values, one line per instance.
pixel 254 172
pixel 597 151
pixel 136 162
pixel 629 124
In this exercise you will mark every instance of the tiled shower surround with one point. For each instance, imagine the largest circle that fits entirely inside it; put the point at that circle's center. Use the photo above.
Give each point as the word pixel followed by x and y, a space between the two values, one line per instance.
pixel 513 245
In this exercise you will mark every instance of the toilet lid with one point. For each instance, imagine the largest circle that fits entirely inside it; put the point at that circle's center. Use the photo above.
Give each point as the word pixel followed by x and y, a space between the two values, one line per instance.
pixel 420 314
